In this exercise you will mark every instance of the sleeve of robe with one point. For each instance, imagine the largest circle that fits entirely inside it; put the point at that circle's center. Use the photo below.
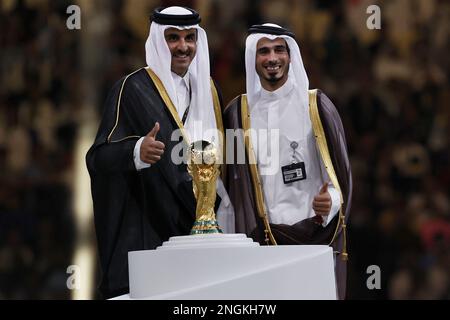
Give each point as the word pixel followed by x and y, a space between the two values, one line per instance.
pixel 112 171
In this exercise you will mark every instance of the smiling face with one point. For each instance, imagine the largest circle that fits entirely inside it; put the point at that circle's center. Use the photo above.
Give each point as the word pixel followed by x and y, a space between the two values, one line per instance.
pixel 272 62
pixel 183 46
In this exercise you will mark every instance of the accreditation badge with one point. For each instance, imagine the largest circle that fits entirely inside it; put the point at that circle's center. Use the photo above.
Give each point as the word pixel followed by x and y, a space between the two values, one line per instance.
pixel 293 172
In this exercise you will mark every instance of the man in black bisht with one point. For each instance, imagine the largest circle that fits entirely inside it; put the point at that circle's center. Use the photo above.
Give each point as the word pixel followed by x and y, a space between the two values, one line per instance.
pixel 141 190
pixel 298 189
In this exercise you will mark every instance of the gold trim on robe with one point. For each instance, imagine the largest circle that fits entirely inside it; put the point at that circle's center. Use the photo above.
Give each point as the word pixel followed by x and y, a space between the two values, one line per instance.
pixel 257 186
pixel 219 122
pixel 108 140
pixel 325 155
pixel 173 111
pixel 168 102
pixel 322 145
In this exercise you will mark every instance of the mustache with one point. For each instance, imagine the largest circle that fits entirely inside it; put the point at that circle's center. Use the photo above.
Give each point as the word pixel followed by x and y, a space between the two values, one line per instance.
pixel 187 52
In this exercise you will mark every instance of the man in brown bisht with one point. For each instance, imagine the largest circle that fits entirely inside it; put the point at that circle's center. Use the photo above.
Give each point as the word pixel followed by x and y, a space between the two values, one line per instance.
pixel 291 184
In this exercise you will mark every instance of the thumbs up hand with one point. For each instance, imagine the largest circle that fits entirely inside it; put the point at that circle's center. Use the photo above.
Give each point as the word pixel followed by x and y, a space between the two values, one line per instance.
pixel 151 149
pixel 322 201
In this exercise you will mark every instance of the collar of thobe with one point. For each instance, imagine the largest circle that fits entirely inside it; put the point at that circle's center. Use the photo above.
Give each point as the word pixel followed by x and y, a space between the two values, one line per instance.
pixel 279 93
pixel 181 80
pixel 295 119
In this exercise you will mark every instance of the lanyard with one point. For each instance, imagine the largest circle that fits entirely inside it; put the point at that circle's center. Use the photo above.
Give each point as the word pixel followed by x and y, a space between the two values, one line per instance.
pixel 189 105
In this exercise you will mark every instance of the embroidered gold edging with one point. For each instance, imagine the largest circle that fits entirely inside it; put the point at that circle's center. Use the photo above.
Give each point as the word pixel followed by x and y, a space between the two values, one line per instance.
pixel 217 109
pixel 173 111
pixel 123 139
pixel 325 154
pixel 231 102
pixel 118 111
pixel 260 206
pixel 219 123
pixel 168 102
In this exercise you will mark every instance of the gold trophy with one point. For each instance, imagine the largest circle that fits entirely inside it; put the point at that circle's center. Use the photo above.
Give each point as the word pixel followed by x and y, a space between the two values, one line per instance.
pixel 204 169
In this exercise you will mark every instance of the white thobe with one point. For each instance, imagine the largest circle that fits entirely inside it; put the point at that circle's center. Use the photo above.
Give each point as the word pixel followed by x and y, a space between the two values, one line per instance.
pixel 284 120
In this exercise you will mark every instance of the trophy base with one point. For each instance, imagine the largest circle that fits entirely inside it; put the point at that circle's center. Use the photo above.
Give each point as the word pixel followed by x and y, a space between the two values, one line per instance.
pixel 205 227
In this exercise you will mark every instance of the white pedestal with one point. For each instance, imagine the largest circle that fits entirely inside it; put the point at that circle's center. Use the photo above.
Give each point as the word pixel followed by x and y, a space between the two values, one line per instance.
pixel 230 267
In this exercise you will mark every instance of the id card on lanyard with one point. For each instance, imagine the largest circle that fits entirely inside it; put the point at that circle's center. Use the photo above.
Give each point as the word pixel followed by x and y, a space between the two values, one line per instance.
pixel 294 171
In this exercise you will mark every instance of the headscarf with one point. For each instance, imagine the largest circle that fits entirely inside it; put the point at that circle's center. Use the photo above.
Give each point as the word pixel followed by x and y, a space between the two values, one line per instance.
pixel 158 58
pixel 296 69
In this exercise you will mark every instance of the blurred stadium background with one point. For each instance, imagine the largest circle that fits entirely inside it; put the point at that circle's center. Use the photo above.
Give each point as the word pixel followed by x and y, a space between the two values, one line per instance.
pixel 390 86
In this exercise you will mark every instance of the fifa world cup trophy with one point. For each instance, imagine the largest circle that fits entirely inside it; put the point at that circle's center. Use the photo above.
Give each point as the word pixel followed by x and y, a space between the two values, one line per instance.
pixel 204 169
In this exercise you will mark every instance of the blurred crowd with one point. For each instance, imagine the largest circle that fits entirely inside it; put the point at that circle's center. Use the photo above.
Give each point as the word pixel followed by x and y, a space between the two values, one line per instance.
pixel 389 85
pixel 38 103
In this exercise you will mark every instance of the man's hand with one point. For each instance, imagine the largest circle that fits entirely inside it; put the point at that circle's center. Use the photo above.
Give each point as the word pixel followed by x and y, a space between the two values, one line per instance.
pixel 151 149
pixel 322 201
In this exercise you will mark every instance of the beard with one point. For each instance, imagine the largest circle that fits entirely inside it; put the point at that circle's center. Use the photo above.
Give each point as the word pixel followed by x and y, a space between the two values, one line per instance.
pixel 274 78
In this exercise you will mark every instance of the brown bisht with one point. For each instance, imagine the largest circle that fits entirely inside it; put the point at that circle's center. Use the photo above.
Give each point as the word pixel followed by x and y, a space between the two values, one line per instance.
pixel 245 189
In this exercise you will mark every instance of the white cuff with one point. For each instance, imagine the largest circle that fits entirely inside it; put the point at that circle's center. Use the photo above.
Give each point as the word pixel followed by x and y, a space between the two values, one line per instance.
pixel 335 205
pixel 138 163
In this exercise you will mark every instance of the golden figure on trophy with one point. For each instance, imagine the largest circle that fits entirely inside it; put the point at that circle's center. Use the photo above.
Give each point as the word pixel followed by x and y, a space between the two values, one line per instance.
pixel 204 168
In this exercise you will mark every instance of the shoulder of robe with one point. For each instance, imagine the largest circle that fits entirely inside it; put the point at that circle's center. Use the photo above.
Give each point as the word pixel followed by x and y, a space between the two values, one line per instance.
pixel 136 78
pixel 232 104
pixel 132 80
pixel 322 98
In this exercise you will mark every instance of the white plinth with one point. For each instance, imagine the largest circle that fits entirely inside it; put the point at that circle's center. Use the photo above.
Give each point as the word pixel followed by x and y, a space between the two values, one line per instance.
pixel 215 240
pixel 230 267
